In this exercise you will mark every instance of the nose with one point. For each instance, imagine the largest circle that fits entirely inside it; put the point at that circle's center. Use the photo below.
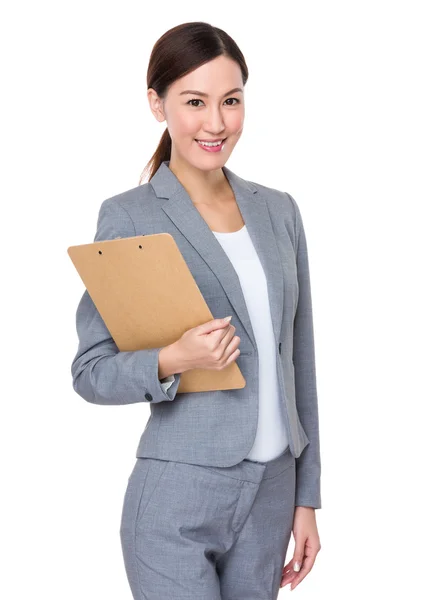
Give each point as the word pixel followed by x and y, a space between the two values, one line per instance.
pixel 214 124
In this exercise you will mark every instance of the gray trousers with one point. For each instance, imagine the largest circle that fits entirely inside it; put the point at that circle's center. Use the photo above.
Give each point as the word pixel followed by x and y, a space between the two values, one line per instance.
pixel 192 532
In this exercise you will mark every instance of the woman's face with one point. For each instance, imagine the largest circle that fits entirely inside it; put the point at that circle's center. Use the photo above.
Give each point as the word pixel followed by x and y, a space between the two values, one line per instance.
pixel 216 112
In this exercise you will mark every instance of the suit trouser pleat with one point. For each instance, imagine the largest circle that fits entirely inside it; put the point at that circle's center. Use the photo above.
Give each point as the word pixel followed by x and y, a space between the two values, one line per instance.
pixel 212 533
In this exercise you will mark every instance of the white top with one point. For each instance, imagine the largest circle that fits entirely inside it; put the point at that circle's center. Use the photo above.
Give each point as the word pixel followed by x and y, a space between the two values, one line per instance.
pixel 271 437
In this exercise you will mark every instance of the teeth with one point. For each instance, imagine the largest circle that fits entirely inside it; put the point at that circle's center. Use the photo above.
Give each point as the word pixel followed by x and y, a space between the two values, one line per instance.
pixel 209 143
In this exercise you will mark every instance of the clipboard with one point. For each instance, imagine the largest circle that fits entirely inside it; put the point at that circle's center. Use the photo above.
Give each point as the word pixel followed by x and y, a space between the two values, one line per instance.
pixel 147 297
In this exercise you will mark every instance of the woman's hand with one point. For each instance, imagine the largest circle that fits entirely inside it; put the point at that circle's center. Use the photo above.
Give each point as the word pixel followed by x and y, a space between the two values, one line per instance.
pixel 307 545
pixel 211 345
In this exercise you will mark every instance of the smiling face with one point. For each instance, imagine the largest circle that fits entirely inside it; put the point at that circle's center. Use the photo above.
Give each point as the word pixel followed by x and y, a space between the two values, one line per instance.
pixel 207 104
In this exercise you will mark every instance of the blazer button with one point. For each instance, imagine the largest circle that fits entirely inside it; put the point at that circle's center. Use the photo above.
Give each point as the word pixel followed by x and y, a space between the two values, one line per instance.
pixel 280 348
pixel 148 396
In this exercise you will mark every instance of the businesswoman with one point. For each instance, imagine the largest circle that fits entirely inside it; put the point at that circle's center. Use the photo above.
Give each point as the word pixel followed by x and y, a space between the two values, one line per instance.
pixel 221 478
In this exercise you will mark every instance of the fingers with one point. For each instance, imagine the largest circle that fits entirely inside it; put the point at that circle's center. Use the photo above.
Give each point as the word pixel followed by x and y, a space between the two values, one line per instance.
pixel 299 554
pixel 233 356
pixel 229 341
pixel 289 575
pixel 307 565
pixel 213 325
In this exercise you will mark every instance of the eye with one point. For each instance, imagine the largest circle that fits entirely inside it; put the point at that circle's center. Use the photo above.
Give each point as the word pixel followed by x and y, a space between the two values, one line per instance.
pixel 194 100
pixel 238 101
pixel 199 100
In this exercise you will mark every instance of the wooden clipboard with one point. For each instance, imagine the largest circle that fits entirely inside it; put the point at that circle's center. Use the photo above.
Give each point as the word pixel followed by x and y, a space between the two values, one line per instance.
pixel 147 298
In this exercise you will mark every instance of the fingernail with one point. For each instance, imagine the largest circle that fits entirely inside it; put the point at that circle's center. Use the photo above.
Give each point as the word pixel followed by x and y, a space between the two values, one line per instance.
pixel 226 319
pixel 296 566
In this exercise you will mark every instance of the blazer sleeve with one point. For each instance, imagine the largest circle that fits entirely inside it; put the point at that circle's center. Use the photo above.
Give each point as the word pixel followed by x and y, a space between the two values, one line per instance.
pixel 101 373
pixel 166 382
pixel 308 464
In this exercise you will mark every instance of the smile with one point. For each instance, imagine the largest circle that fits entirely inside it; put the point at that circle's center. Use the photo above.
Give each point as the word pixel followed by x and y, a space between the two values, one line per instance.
pixel 211 146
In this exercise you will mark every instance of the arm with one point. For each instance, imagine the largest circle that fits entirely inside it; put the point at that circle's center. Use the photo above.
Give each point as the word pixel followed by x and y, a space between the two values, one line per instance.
pixel 101 373
pixel 308 464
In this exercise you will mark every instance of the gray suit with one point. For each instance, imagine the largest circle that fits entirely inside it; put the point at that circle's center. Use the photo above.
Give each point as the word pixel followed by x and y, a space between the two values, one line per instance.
pixel 213 428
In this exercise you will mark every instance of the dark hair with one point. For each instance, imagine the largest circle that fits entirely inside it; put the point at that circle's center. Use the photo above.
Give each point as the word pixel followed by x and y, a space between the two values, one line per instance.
pixel 177 52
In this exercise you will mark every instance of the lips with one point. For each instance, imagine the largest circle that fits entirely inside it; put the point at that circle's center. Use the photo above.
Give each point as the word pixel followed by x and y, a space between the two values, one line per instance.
pixel 211 141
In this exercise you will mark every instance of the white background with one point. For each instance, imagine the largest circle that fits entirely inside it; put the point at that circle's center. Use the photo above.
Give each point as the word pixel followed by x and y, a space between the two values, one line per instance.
pixel 337 115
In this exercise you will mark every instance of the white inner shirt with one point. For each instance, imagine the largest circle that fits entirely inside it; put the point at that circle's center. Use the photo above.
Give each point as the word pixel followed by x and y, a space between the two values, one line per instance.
pixel 271 437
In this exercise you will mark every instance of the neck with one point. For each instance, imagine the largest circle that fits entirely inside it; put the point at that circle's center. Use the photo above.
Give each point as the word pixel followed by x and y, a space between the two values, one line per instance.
pixel 203 187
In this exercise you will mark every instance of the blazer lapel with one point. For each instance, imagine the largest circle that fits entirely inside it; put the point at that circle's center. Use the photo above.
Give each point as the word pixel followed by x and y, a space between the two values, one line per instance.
pixel 254 210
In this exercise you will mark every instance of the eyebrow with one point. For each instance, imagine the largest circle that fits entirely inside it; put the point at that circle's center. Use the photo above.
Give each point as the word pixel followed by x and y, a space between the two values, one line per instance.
pixel 197 93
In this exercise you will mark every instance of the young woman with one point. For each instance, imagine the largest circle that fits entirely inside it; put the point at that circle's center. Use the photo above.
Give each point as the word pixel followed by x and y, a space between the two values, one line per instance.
pixel 222 478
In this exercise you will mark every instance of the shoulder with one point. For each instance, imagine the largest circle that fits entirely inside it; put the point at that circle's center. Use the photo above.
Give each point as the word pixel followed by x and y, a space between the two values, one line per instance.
pixel 280 203
pixel 129 200
pixel 117 214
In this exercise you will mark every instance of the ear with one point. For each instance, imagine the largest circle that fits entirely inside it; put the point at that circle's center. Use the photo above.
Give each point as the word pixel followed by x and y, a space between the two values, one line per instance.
pixel 156 105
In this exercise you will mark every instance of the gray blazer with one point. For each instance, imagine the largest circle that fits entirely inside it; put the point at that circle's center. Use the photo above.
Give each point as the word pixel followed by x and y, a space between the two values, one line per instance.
pixel 213 428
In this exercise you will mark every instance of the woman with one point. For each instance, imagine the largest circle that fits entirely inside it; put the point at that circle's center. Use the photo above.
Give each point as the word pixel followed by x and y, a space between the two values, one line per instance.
pixel 222 478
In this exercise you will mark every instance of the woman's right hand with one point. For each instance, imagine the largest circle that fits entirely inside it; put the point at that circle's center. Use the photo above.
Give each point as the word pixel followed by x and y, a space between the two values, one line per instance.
pixel 211 345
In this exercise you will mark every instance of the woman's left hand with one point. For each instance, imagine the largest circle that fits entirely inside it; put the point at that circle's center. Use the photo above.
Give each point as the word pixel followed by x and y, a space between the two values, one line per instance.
pixel 307 545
